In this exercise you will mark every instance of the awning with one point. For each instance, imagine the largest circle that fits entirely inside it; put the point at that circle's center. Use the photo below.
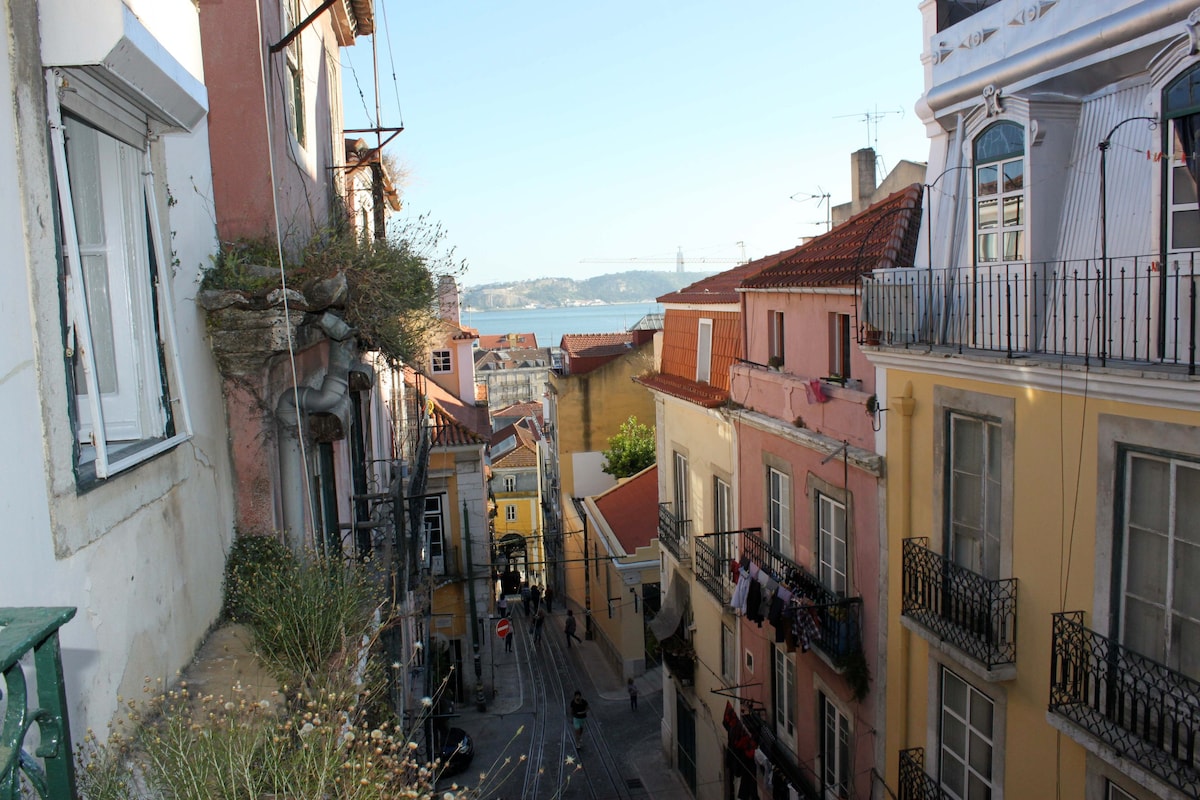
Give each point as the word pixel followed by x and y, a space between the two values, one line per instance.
pixel 667 621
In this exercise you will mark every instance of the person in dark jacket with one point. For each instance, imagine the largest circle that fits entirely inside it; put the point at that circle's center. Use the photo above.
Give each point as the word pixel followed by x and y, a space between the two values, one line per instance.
pixel 570 627
pixel 579 711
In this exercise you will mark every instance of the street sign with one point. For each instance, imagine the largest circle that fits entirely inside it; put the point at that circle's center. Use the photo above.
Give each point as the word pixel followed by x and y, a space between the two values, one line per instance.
pixel 503 628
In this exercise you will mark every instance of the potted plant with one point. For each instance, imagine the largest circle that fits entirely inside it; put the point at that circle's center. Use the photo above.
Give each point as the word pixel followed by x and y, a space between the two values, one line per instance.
pixel 775 363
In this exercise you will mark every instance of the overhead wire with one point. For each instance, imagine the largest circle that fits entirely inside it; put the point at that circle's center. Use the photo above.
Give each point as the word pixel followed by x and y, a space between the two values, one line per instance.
pixel 387 35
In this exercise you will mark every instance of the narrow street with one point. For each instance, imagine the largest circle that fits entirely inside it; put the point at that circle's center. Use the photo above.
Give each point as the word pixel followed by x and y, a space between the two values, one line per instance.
pixel 621 755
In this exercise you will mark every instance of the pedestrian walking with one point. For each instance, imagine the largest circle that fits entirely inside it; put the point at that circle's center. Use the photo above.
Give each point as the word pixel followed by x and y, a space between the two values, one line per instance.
pixel 525 597
pixel 548 596
pixel 633 693
pixel 539 619
pixel 579 710
pixel 535 597
pixel 570 628
pixel 508 641
pixel 502 607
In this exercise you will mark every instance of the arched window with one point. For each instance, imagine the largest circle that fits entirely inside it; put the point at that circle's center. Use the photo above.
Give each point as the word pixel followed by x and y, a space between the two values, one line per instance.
pixel 999 161
pixel 1181 108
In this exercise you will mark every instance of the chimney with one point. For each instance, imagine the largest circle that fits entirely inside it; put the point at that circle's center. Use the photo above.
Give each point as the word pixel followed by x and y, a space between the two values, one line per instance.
pixel 447 293
pixel 862 177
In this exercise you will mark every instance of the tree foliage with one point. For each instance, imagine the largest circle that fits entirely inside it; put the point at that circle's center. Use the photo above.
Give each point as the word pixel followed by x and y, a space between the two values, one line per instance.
pixel 631 450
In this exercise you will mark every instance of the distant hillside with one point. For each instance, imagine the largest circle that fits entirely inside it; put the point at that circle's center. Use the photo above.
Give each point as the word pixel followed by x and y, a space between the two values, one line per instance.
pixel 618 287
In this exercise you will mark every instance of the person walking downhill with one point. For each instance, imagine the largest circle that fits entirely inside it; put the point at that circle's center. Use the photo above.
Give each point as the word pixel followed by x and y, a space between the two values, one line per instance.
pixel 548 597
pixel 579 709
pixel 569 628
pixel 539 619
pixel 633 693
pixel 508 640
pixel 535 597
pixel 502 607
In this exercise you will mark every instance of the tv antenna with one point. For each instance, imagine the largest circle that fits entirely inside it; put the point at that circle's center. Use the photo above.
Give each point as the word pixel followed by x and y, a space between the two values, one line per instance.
pixel 872 118
pixel 822 197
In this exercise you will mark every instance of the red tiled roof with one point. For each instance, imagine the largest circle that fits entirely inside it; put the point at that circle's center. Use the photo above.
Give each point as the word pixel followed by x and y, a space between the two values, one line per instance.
pixel 596 345
pixel 883 235
pixel 502 341
pixel 473 419
pixel 722 287
pixel 446 431
pixel 519 410
pixel 702 394
pixel 631 509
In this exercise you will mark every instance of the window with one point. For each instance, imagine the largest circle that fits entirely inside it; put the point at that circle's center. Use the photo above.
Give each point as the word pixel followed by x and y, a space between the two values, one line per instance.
pixel 775 338
pixel 728 653
pixel 440 361
pixel 1000 193
pixel 295 70
pixel 433 533
pixel 510 483
pixel 722 521
pixel 974 494
pixel 128 400
pixel 1160 605
pixel 966 740
pixel 679 486
pixel 783 694
pixel 510 513
pixel 831 544
pixel 1114 792
pixel 1181 106
pixel 704 335
pixel 839 345
pixel 779 519
pixel 835 749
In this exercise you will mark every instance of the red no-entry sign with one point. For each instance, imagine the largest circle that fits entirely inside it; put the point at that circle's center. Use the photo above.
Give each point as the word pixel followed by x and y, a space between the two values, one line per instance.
pixel 503 628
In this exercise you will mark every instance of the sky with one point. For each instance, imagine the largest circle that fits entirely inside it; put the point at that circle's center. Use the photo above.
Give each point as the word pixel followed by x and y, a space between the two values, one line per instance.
pixel 569 139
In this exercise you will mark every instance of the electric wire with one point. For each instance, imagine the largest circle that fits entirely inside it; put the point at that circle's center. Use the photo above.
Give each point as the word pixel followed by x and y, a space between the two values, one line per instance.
pixel 387 35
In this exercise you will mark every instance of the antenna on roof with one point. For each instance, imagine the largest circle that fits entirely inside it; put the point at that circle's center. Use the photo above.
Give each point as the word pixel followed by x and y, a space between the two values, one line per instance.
pixel 872 118
pixel 822 197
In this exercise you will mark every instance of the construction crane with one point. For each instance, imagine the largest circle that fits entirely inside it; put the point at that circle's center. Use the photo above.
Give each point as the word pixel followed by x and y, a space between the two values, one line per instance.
pixel 679 260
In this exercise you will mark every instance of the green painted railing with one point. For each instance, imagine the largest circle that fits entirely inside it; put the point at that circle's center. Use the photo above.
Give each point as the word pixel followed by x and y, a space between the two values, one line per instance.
pixel 24 630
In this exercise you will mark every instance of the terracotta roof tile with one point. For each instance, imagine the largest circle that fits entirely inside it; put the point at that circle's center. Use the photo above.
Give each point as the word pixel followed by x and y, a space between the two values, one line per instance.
pixel 701 394
pixel 501 341
pixel 883 235
pixel 446 431
pixel 631 509
pixel 722 287
pixel 596 345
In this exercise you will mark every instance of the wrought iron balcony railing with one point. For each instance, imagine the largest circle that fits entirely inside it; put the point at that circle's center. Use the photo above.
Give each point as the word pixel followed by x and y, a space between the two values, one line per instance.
pixel 674 532
pixel 915 783
pixel 1146 711
pixel 839 619
pixel 714 552
pixel 1132 311
pixel 49 770
pixel 976 615
pixel 798 773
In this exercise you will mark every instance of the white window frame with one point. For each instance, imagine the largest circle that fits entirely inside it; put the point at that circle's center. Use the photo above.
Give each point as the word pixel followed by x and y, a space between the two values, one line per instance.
pixel 783 695
pixel 991 208
pixel 435 533
pixel 779 514
pixel 124 131
pixel 839 344
pixel 510 513
pixel 510 483
pixel 729 651
pixel 1171 604
pixel 830 540
pixel 1114 792
pixel 972 736
pixel 837 734
pixel 679 485
pixel 441 361
pixel 991 493
pixel 775 335
pixel 292 13
pixel 704 344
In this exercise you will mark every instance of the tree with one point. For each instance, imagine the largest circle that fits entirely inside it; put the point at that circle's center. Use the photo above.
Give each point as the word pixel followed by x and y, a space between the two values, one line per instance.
pixel 630 451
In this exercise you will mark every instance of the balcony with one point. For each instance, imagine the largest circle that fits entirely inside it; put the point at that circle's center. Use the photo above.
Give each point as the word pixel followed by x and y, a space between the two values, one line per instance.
pixel 1138 709
pixel 976 615
pixel 1134 311
pixel 915 783
pixel 839 619
pixel 800 775
pixel 713 554
pixel 952 12
pixel 49 770
pixel 674 533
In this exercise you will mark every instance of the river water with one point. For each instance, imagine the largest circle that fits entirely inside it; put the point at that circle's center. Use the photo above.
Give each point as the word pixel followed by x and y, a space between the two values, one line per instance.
pixel 549 324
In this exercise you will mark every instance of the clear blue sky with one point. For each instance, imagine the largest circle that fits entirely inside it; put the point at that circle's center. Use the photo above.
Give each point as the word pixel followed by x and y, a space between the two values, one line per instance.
pixel 543 134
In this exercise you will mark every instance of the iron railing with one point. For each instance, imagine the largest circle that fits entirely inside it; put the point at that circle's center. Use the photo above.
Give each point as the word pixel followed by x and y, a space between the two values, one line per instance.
pixel 952 12
pixel 839 619
pixel 798 774
pixel 1135 311
pixel 49 771
pixel 971 612
pixel 1145 711
pixel 674 532
pixel 915 783
pixel 714 552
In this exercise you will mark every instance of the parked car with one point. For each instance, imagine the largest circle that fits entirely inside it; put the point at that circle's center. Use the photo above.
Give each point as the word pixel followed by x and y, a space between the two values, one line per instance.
pixel 456 751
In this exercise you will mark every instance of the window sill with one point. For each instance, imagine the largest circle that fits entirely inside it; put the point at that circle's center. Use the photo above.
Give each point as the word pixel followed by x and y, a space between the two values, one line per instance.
pixel 121 459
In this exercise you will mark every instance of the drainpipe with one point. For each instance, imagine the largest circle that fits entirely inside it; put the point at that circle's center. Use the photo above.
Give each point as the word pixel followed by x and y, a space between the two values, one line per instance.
pixel 332 393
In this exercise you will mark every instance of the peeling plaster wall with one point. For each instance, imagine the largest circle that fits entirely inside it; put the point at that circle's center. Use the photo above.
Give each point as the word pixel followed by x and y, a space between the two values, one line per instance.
pixel 140 554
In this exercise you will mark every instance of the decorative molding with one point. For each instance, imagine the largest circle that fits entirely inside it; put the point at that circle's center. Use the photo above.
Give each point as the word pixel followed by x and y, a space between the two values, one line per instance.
pixel 1032 12
pixel 1034 132
pixel 976 38
pixel 992 100
pixel 1192 23
pixel 941 51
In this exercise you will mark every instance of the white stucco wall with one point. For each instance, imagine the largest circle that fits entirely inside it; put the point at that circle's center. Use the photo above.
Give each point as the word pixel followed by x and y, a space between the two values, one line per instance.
pixel 140 554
